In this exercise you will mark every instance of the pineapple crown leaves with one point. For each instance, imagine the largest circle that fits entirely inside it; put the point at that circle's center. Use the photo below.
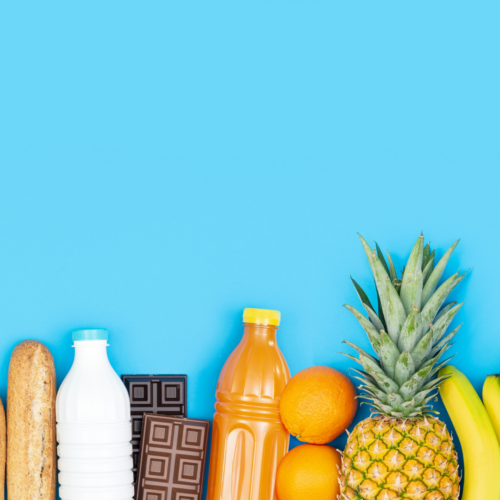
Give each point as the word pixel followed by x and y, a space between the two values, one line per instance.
pixel 408 335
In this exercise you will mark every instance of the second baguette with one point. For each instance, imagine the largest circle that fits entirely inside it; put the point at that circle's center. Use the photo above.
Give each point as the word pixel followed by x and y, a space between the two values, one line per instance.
pixel 3 450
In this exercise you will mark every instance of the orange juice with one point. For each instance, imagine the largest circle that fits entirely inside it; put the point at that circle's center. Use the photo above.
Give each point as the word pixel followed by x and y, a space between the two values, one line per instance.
pixel 248 438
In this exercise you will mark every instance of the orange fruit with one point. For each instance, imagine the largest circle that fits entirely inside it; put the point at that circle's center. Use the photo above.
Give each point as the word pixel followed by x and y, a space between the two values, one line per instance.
pixel 309 472
pixel 318 404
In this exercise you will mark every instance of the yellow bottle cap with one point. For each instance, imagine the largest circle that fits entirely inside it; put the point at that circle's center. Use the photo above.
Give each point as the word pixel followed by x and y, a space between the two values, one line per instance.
pixel 261 316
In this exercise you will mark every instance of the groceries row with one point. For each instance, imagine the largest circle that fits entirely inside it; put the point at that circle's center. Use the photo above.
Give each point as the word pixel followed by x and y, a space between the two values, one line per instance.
pixel 401 451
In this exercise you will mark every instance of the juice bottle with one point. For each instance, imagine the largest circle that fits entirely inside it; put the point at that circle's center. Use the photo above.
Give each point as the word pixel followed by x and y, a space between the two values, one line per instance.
pixel 248 438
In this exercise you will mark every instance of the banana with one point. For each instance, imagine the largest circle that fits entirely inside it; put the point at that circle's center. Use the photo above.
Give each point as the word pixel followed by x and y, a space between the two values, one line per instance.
pixel 491 400
pixel 477 436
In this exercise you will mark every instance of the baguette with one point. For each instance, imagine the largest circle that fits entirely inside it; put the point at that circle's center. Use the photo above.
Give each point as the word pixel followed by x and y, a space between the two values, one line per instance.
pixel 3 450
pixel 31 423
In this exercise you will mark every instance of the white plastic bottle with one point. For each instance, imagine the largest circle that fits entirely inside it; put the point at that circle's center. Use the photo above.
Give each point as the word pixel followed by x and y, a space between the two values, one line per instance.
pixel 94 430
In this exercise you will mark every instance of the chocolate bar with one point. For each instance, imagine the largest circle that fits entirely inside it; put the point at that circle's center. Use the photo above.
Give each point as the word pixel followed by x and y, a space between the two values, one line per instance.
pixel 162 394
pixel 173 455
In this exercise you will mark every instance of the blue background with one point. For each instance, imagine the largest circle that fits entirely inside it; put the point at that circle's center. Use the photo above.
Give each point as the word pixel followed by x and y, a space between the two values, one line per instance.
pixel 166 164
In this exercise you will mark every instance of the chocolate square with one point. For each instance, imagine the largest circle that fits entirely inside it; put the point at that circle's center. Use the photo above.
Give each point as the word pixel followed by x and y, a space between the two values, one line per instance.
pixel 172 459
pixel 161 394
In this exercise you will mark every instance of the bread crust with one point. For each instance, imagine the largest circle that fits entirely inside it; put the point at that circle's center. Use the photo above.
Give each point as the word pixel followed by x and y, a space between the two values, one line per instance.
pixel 31 423
pixel 3 450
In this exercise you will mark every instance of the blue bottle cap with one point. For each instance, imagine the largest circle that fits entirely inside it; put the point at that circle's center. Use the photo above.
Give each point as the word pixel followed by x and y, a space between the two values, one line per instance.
pixel 90 334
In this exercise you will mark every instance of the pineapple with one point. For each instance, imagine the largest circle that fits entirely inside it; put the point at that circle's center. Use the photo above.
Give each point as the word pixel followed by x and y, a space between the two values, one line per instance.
pixel 403 451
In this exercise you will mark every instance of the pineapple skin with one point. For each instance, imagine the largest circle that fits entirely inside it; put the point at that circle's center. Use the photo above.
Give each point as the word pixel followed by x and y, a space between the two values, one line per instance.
pixel 391 459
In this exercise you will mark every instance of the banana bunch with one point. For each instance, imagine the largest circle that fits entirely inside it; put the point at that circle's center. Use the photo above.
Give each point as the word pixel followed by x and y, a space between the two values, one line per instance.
pixel 477 426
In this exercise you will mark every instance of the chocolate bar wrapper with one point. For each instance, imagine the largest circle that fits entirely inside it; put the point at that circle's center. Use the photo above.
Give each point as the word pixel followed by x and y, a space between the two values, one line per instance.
pixel 162 394
pixel 172 458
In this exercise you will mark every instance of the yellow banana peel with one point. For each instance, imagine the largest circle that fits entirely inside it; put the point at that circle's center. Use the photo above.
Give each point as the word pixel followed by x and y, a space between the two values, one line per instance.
pixel 477 436
pixel 491 400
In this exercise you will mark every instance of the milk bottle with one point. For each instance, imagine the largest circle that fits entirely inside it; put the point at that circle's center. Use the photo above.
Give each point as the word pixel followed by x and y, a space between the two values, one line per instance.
pixel 93 425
